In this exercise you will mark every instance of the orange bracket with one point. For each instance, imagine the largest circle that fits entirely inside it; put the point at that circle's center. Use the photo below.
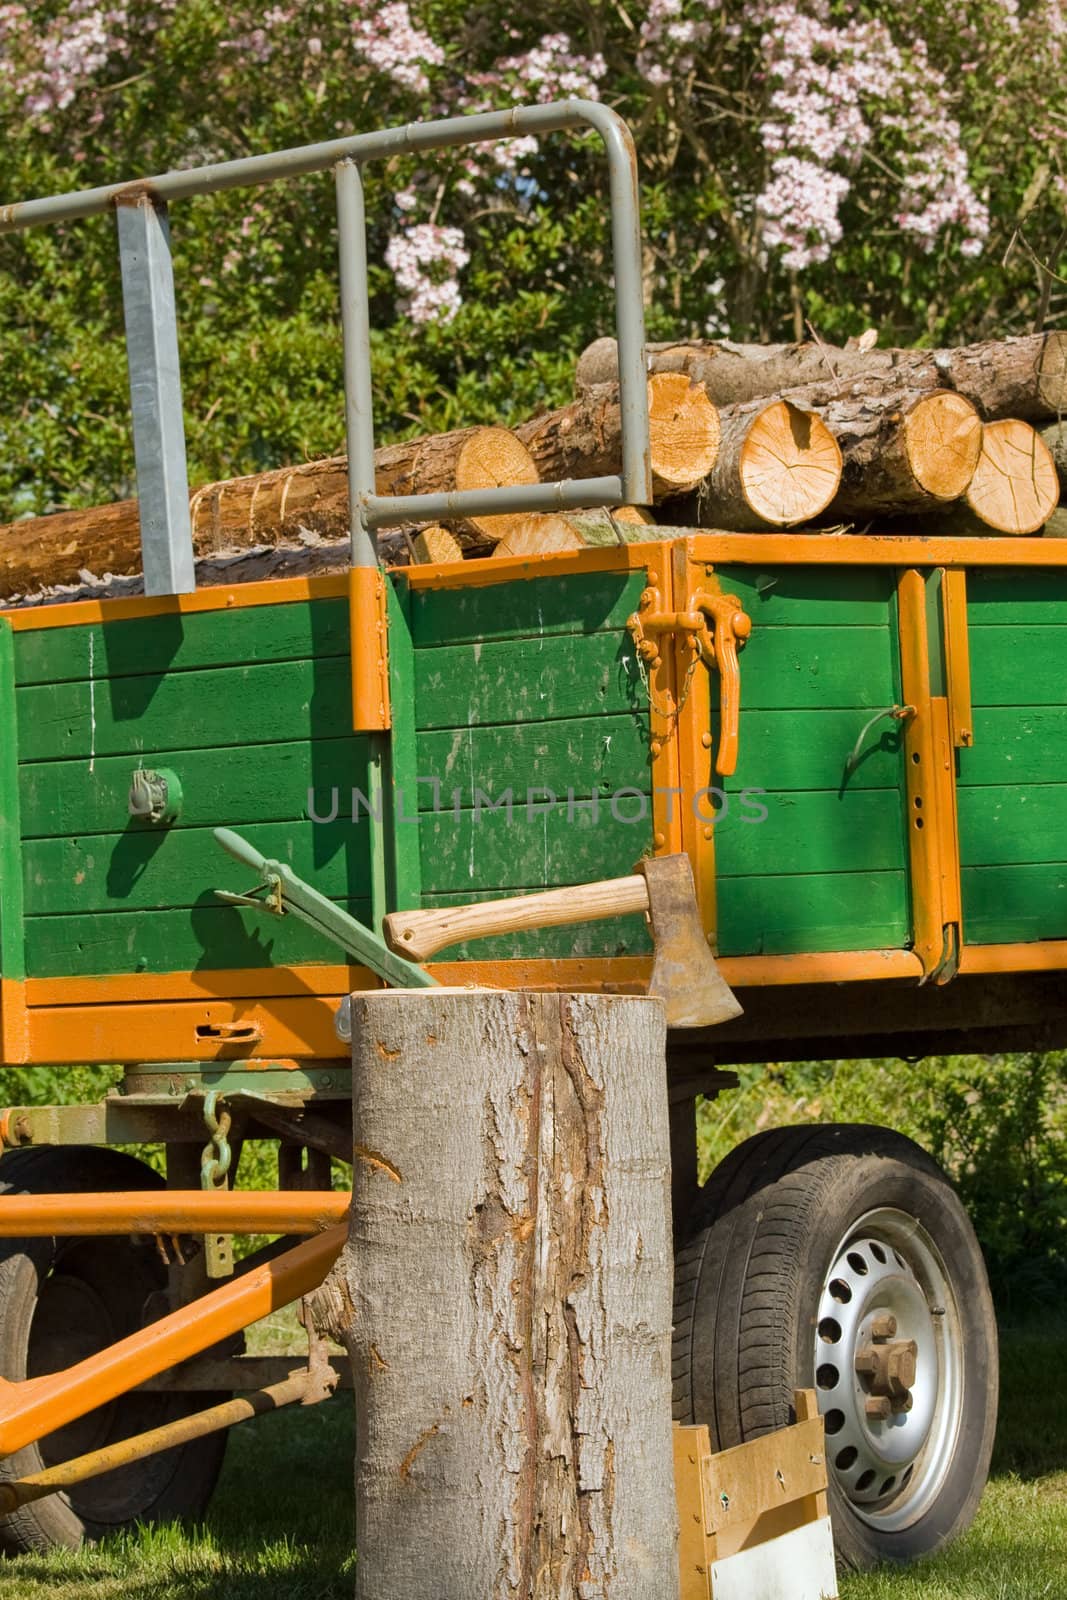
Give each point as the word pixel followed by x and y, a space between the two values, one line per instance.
pixel 369 644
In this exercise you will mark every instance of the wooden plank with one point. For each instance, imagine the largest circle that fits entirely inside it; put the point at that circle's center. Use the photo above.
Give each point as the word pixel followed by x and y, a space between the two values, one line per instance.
pixel 247 783
pixel 162 870
pixel 784 750
pixel 12 955
pixel 532 608
pixel 790 915
pixel 816 596
pixel 179 643
pixel 204 938
pixel 1001 904
pixel 535 849
pixel 527 680
pixel 798 1564
pixel 1022 823
pixel 696 1547
pixel 228 706
pixel 1016 745
pixel 752 1481
pixel 1020 667
pixel 582 753
pixel 821 832
pixel 1010 597
pixel 811 668
pixel 403 858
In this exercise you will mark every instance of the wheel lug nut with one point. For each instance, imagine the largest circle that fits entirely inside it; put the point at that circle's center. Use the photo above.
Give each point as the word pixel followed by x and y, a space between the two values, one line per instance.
pixel 884 1327
pixel 879 1407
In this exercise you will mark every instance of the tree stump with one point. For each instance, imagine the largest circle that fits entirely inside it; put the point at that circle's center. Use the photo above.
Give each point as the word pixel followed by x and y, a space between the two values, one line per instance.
pixel 508 1289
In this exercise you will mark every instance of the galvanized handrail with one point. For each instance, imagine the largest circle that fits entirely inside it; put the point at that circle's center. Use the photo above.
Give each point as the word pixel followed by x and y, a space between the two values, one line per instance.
pixel 152 338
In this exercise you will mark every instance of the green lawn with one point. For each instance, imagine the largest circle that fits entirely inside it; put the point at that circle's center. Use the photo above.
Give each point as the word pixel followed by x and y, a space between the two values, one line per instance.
pixel 281 1524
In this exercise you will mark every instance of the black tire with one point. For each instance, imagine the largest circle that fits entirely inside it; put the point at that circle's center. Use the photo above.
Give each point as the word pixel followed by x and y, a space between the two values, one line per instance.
pixel 776 1221
pixel 60 1300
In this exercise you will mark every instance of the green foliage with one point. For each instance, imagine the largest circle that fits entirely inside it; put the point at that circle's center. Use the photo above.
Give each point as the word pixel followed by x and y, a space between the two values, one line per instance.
pixel 997 1124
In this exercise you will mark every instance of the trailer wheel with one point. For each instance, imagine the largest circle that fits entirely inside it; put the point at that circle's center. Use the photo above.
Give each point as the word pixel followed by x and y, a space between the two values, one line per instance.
pixel 818 1254
pixel 60 1301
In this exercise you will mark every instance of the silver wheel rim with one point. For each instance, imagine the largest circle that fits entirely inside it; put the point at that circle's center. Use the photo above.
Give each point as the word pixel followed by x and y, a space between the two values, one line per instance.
pixel 890 1470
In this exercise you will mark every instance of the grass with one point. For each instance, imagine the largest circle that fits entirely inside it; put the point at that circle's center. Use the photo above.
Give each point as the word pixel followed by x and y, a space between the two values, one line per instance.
pixel 280 1527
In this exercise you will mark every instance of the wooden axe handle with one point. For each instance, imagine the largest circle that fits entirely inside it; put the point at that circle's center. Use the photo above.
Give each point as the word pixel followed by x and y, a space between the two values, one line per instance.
pixel 417 934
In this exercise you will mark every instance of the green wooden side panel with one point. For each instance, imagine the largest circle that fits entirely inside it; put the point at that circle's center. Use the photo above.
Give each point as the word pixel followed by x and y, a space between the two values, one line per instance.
pixel 239 705
pixel 825 597
pixel 530 680
pixel 255 783
pixel 596 602
pixel 182 642
pixel 580 754
pixel 12 954
pixel 821 911
pixel 478 854
pixel 206 937
pixel 1012 794
pixel 1023 666
pixel 1015 903
pixel 1006 597
pixel 826 869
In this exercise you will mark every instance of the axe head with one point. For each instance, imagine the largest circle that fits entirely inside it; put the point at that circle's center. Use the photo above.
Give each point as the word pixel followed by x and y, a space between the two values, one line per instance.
pixel 684 974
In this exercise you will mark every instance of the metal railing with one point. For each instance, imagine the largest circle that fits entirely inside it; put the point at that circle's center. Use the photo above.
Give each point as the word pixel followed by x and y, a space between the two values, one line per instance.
pixel 152 332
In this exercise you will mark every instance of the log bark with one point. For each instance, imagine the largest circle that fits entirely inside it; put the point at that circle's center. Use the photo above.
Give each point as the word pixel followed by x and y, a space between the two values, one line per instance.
pixel 904 453
pixel 1054 437
pixel 1020 377
pixel 584 439
pixel 306 503
pixel 507 1294
pixel 577 530
pixel 1015 488
pixel 778 466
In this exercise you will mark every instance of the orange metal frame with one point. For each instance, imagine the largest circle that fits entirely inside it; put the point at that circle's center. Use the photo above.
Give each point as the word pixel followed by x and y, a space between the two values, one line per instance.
pixel 172 1211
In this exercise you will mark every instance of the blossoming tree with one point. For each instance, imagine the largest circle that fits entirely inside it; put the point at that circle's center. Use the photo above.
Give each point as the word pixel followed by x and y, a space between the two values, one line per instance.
pixel 820 163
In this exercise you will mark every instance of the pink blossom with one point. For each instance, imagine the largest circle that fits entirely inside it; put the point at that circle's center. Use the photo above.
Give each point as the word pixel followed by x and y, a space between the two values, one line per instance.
pixel 425 259
pixel 391 42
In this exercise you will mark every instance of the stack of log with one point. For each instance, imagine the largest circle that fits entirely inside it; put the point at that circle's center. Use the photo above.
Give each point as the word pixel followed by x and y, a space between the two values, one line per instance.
pixel 747 438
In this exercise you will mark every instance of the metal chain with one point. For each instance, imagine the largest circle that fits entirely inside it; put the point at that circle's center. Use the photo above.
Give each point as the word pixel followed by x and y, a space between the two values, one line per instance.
pixel 215 1161
pixel 669 714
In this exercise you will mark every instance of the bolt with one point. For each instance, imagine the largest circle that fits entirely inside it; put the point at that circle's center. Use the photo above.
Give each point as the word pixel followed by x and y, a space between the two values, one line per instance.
pixel 878 1407
pixel 883 1328
pixel 705 739
pixel 903 1403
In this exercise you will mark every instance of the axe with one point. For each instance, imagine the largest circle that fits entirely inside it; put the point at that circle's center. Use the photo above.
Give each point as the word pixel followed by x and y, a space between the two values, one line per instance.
pixel 684 974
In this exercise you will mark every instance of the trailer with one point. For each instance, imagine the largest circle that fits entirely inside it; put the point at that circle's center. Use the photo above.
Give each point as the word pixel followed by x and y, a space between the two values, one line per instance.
pixel 856 741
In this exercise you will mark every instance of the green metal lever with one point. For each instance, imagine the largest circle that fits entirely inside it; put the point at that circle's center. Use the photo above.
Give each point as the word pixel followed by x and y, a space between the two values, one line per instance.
pixel 280 893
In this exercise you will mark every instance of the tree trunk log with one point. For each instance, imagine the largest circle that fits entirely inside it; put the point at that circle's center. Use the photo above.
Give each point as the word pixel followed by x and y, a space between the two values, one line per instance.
pixel 1014 489
pixel 577 530
pixel 908 452
pixel 1024 377
pixel 584 439
pixel 778 466
pixel 283 506
pixel 507 1280
pixel 1054 437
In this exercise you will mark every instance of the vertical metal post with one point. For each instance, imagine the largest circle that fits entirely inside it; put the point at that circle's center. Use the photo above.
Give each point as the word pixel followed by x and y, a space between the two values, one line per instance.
pixel 355 328
pixel 630 320
pixel 366 607
pixel 155 394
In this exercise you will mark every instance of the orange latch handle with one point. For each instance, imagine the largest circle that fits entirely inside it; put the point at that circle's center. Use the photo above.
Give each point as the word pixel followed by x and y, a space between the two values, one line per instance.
pixel 720 646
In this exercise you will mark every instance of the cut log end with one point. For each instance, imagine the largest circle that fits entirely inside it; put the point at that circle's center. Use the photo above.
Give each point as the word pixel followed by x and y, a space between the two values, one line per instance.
pixel 790 465
pixel 538 536
pixel 943 442
pixel 684 433
pixel 1015 488
pixel 490 459
pixel 436 544
pixel 1052 373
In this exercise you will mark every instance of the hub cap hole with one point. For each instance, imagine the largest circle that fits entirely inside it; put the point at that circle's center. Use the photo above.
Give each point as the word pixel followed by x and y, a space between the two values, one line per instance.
pixel 864 1481
pixel 829 1331
pixel 840 1291
pixel 878 1253
pixel 827 1376
pixel 858 1263
pixel 846 1458
pixel 887 1485
pixel 833 1421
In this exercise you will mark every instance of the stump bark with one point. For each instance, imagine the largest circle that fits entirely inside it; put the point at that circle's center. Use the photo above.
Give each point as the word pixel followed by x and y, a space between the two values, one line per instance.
pixel 507 1285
